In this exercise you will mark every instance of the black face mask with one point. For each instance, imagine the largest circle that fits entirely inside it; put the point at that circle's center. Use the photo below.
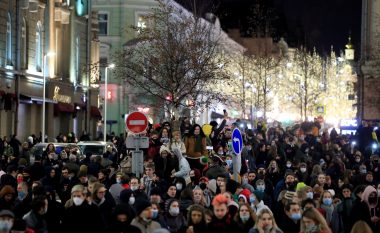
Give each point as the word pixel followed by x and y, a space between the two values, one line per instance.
pixel 372 200
pixel 291 185
pixel 203 186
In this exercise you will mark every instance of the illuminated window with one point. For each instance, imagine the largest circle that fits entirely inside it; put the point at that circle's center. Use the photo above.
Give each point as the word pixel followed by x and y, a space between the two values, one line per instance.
pixel 103 23
pixel 38 56
pixel 9 40
pixel 142 22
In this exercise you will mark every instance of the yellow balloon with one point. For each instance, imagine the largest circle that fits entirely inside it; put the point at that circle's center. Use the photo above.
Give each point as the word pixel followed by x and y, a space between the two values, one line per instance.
pixel 207 129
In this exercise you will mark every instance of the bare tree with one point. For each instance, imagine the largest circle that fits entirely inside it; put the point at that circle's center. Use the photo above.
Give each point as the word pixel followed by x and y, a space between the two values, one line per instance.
pixel 176 58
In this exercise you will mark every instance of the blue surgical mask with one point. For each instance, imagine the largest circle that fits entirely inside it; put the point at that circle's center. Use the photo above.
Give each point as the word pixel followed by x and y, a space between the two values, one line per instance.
pixel 327 201
pixel 310 195
pixel 261 188
pixel 252 199
pixel 154 214
pixel 6 225
pixel 296 216
pixel 21 195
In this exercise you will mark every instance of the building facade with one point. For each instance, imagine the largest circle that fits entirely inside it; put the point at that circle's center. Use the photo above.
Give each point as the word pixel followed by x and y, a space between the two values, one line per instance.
pixel 55 39
pixel 116 19
pixel 369 88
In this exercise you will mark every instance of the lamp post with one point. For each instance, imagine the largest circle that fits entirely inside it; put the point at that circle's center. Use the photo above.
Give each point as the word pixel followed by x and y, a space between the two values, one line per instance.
pixel 105 102
pixel 44 61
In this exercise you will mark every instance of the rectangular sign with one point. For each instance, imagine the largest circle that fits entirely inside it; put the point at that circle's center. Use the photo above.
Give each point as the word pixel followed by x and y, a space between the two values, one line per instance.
pixel 137 142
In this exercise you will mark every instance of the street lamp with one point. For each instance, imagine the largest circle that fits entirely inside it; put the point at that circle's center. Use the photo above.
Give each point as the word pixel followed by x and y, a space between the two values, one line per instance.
pixel 105 102
pixel 44 61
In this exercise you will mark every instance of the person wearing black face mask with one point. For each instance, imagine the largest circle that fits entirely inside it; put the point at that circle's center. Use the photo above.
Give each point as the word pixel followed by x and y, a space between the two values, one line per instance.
pixel 122 217
pixel 368 210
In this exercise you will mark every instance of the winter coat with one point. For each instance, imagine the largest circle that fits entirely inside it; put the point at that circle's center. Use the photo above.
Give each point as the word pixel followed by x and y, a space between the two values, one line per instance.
pixel 190 147
pixel 175 224
pixel 224 225
pixel 145 227
pixel 184 169
pixel 83 218
pixel 35 222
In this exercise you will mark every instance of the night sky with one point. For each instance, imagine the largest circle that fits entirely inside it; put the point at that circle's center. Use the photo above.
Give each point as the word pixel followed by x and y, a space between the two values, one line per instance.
pixel 311 23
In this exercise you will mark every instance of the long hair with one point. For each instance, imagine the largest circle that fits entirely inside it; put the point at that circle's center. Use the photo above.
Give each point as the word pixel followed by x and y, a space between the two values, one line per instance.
pixel 251 213
pixel 198 208
pixel 201 133
pixel 260 216
pixel 361 227
pixel 314 215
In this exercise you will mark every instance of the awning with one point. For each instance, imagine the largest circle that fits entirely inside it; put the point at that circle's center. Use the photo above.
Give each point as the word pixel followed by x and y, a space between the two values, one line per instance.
pixel 63 107
pixel 29 99
pixel 94 112
pixel 215 115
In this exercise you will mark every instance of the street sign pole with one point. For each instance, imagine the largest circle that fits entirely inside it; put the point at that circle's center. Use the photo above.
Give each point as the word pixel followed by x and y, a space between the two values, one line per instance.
pixel 237 146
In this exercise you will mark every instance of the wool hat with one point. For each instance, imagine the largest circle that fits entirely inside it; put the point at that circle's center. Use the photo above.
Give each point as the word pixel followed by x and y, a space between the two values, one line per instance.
pixel 212 185
pixel 155 191
pixel 203 160
pixel 8 213
pixel 141 205
pixel 246 193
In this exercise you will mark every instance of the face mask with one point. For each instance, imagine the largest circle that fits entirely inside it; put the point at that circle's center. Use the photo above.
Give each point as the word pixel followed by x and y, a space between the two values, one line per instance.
pixel 303 169
pixel 118 180
pixel 203 186
pixel 296 216
pixel 311 229
pixel 174 211
pixel 363 171
pixel 327 201
pixel 220 153
pixel 372 200
pixel 288 165
pixel 310 195
pixel 178 186
pixel 244 218
pixel 21 195
pixel 131 200
pixel 267 227
pixel 78 201
pixel 252 199
pixel 154 214
pixel 134 188
pixel 229 162
pixel 357 160
pixel 261 188
pixel 6 225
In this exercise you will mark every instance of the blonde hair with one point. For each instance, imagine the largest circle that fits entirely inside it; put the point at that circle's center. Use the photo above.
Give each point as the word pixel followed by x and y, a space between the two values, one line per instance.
pixel 260 214
pixel 361 227
pixel 314 215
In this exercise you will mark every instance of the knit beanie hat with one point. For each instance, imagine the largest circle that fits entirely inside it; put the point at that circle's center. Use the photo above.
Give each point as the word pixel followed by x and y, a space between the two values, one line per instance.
pixel 141 205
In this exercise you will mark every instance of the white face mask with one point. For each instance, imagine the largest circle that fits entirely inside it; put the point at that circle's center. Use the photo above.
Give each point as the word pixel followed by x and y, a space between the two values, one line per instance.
pixel 78 201
pixel 134 188
pixel 288 165
pixel 174 211
pixel 131 200
pixel 303 169
pixel 178 186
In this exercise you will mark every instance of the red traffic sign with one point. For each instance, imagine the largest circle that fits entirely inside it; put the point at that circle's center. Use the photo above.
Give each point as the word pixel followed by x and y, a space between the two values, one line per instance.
pixel 136 122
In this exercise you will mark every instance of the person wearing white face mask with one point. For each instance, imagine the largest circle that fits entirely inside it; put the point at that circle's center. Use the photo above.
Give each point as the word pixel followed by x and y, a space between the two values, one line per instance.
pixel 243 220
pixel 6 221
pixel 80 216
pixel 172 219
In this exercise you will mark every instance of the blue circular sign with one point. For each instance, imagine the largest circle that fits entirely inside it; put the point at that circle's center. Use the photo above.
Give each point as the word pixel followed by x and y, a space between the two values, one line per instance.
pixel 237 141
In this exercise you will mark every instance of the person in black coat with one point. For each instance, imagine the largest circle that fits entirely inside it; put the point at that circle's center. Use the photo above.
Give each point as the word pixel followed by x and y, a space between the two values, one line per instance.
pixel 243 220
pixel 103 202
pixel 291 221
pixel 81 217
pixel 122 217
pixel 196 222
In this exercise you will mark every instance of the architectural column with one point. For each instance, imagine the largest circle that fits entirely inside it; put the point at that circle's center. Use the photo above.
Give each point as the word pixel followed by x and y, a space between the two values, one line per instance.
pixel 52 42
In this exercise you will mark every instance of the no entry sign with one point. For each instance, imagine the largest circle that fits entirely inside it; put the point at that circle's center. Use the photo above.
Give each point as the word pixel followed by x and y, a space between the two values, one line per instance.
pixel 136 122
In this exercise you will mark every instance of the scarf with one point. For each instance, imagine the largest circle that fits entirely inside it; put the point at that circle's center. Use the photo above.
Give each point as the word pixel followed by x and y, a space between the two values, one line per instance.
pixel 198 143
pixel 329 211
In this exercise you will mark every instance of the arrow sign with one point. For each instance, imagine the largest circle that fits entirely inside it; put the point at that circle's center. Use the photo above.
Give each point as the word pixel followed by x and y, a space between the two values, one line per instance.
pixel 237 141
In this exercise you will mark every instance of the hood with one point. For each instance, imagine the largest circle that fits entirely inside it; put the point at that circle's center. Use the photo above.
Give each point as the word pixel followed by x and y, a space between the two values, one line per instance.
pixel 367 191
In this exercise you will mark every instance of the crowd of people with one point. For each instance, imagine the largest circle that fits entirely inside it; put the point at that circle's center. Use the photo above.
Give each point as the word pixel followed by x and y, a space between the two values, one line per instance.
pixel 295 179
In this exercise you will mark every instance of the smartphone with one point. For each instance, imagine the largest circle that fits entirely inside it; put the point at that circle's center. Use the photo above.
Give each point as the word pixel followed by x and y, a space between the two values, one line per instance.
pixel 209 147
